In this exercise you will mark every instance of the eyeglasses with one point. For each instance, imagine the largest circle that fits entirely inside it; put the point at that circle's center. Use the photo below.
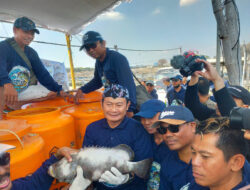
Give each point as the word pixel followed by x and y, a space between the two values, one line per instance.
pixel 90 46
pixel 4 158
pixel 172 128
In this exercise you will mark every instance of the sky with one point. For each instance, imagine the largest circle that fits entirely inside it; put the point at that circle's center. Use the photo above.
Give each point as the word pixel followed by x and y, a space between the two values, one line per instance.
pixel 146 25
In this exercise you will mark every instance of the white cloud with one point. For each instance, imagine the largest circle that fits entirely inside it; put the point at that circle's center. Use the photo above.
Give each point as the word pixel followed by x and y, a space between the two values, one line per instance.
pixel 156 11
pixel 187 2
pixel 112 15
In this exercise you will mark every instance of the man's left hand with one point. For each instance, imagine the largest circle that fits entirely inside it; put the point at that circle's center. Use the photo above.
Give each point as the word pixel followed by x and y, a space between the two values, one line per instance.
pixel 65 152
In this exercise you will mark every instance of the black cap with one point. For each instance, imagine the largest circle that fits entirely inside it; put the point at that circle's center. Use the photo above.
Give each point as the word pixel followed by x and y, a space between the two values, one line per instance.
pixel 240 93
pixel 90 37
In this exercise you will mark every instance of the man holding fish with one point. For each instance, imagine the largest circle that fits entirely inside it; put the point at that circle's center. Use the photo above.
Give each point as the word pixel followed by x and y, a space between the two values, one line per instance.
pixel 116 129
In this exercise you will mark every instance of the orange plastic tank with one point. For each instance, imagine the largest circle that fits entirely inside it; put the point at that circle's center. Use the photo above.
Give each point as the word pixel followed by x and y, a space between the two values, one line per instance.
pixel 29 152
pixel 59 102
pixel 56 128
pixel 84 114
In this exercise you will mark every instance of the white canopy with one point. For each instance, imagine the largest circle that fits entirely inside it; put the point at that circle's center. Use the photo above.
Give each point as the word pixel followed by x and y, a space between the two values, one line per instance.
pixel 68 16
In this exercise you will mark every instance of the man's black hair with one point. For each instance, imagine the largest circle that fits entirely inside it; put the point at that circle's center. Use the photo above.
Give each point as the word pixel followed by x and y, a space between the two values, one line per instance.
pixel 230 141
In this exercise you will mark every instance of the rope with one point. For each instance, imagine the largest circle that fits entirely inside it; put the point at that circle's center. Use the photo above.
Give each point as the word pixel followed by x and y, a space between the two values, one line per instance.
pixel 12 132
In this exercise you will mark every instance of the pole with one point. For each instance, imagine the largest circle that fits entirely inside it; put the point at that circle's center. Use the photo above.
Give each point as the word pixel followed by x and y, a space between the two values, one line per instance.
pixel 245 61
pixel 218 52
pixel 71 61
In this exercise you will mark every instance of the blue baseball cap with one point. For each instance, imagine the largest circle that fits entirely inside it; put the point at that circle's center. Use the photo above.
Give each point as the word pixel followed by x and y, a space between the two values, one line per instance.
pixel 90 37
pixel 175 115
pixel 26 24
pixel 178 77
pixel 150 108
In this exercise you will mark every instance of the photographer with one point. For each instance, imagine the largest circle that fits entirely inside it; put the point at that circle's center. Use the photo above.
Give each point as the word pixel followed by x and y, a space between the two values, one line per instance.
pixel 224 100
pixel 239 119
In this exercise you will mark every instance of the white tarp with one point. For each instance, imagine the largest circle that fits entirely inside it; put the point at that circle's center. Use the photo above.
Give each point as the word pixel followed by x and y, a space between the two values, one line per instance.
pixel 68 16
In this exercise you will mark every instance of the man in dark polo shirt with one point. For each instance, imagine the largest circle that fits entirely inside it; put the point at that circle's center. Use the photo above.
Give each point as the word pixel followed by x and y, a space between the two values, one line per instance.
pixel 116 129
pixel 176 95
pixel 111 67
pixel 177 125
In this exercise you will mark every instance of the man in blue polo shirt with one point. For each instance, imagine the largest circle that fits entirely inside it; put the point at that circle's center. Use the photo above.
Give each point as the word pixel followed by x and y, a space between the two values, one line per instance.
pixel 20 65
pixel 218 157
pixel 177 125
pixel 176 95
pixel 151 89
pixel 117 129
pixel 149 113
pixel 111 67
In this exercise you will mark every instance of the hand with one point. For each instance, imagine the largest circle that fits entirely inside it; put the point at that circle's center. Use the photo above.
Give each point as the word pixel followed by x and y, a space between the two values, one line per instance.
pixel 66 95
pixel 10 94
pixel 211 74
pixel 130 114
pixel 79 183
pixel 65 152
pixel 247 134
pixel 79 94
pixel 115 177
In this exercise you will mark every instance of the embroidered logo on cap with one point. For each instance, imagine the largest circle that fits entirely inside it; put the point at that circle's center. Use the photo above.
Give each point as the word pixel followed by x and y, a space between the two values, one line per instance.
pixel 85 37
pixel 166 113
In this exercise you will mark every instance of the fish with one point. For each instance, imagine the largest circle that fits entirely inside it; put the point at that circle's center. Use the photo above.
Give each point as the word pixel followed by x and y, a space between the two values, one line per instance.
pixel 94 161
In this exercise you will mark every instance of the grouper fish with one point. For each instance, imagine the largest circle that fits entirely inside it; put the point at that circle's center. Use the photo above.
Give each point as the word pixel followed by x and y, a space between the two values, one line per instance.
pixel 94 161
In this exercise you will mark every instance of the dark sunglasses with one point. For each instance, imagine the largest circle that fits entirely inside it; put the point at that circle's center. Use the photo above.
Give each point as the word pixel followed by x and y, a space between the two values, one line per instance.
pixel 90 46
pixel 4 158
pixel 172 128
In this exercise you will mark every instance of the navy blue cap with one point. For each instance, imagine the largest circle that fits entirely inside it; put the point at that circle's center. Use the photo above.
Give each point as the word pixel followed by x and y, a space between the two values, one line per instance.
pixel 241 93
pixel 150 108
pixel 26 24
pixel 175 115
pixel 116 91
pixel 90 37
pixel 179 77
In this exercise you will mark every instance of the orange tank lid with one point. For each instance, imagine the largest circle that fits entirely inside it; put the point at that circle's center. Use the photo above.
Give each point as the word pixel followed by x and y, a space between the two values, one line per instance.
pixel 33 113
pixel 94 96
pixel 20 127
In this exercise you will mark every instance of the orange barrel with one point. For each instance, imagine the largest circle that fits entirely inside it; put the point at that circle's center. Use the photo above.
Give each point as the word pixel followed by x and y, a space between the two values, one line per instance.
pixel 57 102
pixel 56 128
pixel 84 114
pixel 29 153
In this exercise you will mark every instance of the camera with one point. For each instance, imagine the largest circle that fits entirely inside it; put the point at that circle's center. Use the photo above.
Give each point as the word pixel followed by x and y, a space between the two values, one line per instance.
pixel 240 118
pixel 186 63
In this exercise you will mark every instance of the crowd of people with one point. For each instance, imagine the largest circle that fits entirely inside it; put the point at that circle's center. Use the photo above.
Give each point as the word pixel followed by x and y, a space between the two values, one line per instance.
pixel 190 141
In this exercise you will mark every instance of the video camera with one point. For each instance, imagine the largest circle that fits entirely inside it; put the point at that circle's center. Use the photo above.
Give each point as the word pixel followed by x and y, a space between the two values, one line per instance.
pixel 186 63
pixel 240 118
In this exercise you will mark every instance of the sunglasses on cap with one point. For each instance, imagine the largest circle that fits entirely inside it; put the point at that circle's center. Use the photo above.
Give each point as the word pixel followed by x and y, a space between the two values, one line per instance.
pixel 172 128
pixel 90 46
pixel 4 158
